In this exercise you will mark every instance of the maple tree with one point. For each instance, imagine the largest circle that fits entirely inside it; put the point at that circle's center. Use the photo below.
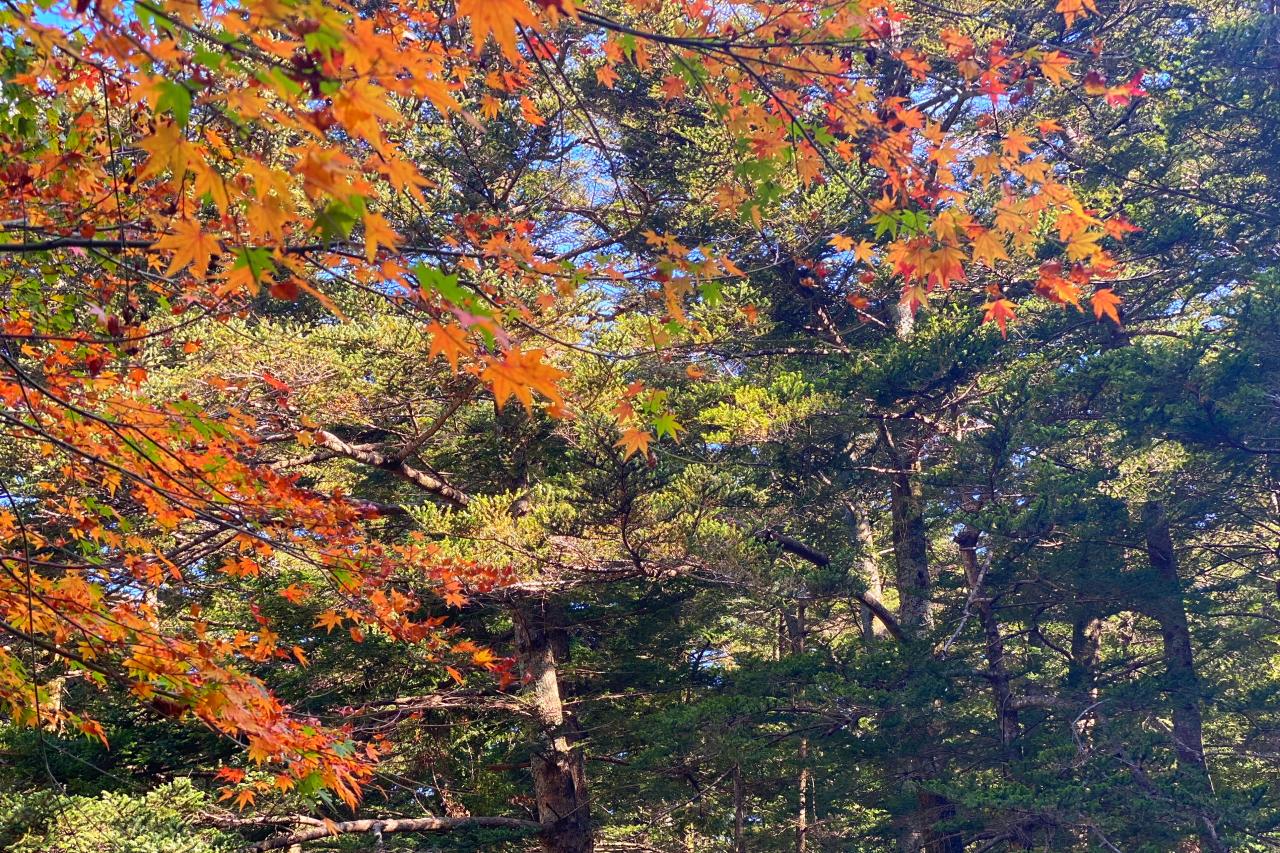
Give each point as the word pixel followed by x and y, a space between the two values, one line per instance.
pixel 175 169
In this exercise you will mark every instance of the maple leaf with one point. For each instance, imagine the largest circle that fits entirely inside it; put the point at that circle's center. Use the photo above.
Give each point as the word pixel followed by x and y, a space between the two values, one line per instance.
pixel 1117 227
pixel 1053 286
pixel 293 593
pixel 1072 9
pixel 191 247
pixel 234 775
pixel 665 424
pixel 449 341
pixel 841 243
pixel 986 166
pixel 499 17
pixel 634 441
pixel 988 248
pixel 606 76
pixel 377 232
pixel 1016 142
pixel 529 112
pixel 999 311
pixel 519 374
pixel 1106 304
pixel 208 182
pixel 167 148
pixel 1055 66
pixel 329 620
pixel 92 728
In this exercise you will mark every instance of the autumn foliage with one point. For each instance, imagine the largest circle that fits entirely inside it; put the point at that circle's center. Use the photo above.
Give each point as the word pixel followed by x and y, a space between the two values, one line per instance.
pixel 169 164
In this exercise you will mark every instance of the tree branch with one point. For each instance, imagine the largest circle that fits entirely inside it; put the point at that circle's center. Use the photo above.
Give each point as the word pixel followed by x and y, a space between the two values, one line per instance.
pixel 377 459
pixel 329 829
pixel 813 555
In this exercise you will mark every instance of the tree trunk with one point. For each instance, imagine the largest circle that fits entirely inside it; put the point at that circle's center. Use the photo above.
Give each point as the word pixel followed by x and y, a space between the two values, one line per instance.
pixel 910 548
pixel 559 775
pixel 1183 685
pixel 997 668
pixel 911 575
pixel 739 812
pixel 869 567
pixel 1086 646
pixel 795 635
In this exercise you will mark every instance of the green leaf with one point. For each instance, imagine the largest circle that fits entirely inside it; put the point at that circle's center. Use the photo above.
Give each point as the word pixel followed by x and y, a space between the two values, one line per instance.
pixel 176 98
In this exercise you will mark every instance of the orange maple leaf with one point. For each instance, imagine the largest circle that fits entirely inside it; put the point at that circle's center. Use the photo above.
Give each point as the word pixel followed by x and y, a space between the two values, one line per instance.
pixel 191 247
pixel 519 374
pixel 329 620
pixel 499 17
pixel 449 341
pixel 988 247
pixel 634 441
pixel 999 311
pixel 1072 9
pixel 1055 66
pixel 92 728
pixel 1016 142
pixel 606 76
pixel 1106 304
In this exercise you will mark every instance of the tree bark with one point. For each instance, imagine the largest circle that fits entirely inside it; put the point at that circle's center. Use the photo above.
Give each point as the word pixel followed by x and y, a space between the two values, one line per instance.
pixel 739 812
pixel 873 629
pixel 1086 645
pixel 910 539
pixel 997 667
pixel 795 635
pixel 1166 606
pixel 559 773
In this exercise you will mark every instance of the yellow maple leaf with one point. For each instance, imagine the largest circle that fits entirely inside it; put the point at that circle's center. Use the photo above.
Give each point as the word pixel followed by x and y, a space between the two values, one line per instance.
pixel 500 18
pixel 988 248
pixel 841 243
pixel 209 182
pixel 377 232
pixel 191 247
pixel 267 219
pixel 168 149
pixel 1055 66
